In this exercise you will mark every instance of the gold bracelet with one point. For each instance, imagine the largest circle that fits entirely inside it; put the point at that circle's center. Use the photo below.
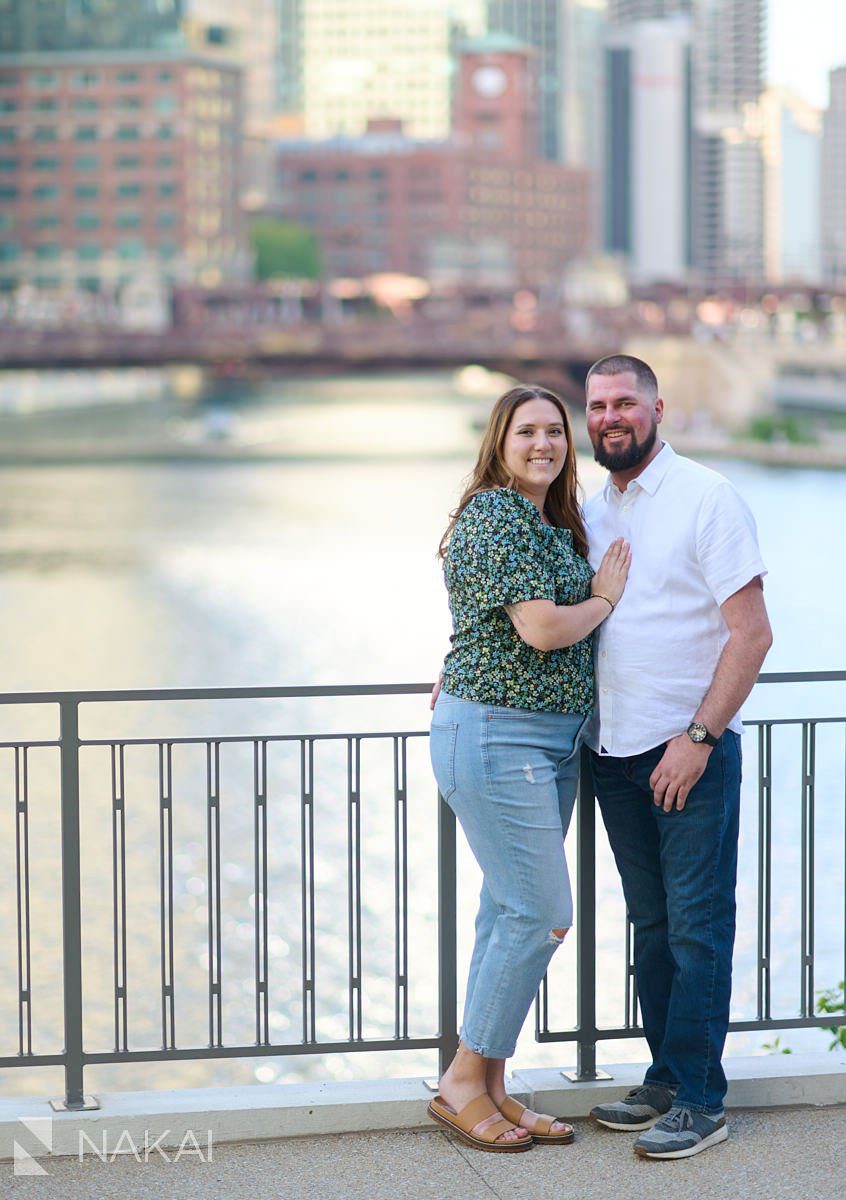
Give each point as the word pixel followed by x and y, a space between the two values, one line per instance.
pixel 600 596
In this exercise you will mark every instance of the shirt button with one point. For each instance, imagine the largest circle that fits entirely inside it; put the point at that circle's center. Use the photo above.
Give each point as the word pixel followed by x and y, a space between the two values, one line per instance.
pixel 604 654
pixel 605 691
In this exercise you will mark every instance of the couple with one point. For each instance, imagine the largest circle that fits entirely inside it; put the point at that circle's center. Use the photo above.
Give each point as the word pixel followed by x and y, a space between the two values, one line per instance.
pixel 677 599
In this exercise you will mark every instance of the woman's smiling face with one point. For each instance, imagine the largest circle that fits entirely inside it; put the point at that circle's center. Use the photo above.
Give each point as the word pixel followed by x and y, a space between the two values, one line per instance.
pixel 534 447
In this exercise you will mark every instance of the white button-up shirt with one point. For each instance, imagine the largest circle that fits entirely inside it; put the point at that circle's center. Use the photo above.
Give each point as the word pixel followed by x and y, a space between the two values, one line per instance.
pixel 694 544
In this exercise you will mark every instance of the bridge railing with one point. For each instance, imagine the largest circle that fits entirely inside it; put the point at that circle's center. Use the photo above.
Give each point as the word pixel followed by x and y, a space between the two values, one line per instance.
pixel 175 895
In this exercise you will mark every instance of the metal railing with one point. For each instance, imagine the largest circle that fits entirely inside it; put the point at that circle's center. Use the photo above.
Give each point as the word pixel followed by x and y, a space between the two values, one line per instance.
pixel 287 790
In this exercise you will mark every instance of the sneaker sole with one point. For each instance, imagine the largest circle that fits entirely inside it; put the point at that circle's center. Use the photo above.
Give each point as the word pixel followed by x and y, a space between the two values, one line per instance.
pixel 719 1135
pixel 634 1127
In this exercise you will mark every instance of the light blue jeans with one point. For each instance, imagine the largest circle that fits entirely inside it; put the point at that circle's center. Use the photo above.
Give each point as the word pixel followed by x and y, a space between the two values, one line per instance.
pixel 510 777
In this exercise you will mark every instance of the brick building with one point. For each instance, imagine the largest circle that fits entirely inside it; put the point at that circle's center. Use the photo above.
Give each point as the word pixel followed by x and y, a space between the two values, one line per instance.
pixel 480 206
pixel 119 164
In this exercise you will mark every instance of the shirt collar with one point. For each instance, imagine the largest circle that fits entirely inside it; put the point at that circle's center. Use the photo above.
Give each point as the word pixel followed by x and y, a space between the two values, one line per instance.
pixel 651 477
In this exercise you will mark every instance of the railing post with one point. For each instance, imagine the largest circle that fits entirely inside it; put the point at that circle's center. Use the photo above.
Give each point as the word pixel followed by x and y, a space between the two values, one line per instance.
pixel 447 990
pixel 586 930
pixel 71 909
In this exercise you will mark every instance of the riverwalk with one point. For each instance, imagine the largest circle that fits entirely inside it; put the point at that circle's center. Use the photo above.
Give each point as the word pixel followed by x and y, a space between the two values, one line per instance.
pixel 782 1154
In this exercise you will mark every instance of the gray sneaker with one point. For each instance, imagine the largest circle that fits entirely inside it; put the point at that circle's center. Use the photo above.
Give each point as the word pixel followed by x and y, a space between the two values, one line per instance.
pixel 640 1109
pixel 681 1133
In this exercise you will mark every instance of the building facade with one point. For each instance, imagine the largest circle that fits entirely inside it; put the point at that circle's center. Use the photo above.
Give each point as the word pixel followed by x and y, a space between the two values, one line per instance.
pixel 480 207
pixel 648 147
pixel 792 143
pixel 833 200
pixel 115 164
pixel 381 58
pixel 540 24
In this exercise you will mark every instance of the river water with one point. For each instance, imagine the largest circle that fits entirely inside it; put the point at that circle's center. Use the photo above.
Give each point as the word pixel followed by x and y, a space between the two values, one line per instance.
pixel 317 564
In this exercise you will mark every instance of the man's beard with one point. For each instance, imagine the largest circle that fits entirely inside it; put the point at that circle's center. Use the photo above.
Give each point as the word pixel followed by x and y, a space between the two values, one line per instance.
pixel 624 460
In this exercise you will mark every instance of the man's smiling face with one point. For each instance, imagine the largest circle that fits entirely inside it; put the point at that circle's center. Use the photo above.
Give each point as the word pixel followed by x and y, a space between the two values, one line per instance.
pixel 622 421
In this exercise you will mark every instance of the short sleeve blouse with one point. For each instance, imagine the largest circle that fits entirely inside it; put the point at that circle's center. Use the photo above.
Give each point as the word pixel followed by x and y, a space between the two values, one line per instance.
pixel 500 553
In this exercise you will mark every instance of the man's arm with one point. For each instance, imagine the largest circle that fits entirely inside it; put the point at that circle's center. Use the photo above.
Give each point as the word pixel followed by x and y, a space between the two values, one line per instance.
pixel 750 637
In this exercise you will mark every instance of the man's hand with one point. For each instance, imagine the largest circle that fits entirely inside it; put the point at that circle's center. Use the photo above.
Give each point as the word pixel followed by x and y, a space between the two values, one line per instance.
pixel 680 767
pixel 436 691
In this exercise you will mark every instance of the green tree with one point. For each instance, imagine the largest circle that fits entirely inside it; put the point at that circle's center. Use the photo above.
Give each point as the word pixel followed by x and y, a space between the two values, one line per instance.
pixel 284 249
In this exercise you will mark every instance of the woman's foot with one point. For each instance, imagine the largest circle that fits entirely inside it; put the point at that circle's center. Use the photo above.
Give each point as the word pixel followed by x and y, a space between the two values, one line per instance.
pixel 462 1082
pixel 495 1084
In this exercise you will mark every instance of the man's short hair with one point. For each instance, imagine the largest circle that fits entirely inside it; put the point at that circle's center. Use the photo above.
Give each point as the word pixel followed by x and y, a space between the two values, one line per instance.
pixel 619 364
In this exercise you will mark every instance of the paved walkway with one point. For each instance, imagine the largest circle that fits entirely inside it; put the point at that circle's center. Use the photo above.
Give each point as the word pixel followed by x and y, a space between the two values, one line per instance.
pixel 794 1154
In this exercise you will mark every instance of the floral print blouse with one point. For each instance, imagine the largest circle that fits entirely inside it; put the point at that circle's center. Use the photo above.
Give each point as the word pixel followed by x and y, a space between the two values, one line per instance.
pixel 500 552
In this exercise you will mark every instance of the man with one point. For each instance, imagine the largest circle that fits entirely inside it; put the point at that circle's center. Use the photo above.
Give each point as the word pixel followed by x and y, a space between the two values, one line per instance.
pixel 674 663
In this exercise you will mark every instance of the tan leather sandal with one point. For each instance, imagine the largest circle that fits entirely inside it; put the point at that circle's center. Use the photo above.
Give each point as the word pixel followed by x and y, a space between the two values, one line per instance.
pixel 462 1123
pixel 513 1110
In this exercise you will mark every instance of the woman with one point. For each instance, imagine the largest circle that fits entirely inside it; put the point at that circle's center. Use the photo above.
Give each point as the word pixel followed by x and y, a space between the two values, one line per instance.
pixel 517 688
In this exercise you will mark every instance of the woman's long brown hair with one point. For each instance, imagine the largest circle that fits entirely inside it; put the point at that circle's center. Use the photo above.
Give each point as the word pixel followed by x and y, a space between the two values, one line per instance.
pixel 562 500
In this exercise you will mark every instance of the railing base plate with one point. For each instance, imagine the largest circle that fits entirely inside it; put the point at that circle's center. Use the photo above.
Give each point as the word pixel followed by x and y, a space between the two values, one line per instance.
pixel 575 1077
pixel 88 1103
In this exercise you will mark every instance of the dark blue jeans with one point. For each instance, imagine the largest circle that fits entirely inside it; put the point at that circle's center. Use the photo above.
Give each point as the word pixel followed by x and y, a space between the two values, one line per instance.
pixel 679 871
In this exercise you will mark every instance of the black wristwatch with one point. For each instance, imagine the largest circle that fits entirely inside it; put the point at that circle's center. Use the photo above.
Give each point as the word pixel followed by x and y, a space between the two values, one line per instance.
pixel 697 732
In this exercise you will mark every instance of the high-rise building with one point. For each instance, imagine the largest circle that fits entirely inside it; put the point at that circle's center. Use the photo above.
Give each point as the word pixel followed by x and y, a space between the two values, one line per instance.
pixel 541 24
pixel 833 217
pixel 648 145
pixel 792 164
pixel 366 59
pixel 728 171
pixel 30 26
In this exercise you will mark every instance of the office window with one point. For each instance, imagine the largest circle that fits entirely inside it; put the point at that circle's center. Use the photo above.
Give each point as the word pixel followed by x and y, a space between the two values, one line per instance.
pixel 128 220
pixel 47 221
pixel 7 134
pixel 167 189
pixel 133 102
pixel 47 282
pixel 165 132
pixel 45 164
pixel 8 81
pixel 9 164
pixel 87 162
pixel 8 105
pixel 86 191
pixel 8 191
pixel 49 250
pixel 165 103
pixel 85 103
pixel 131 248
pixel 9 251
pixel 45 191
pixel 87 220
pixel 167 250
pixel 128 162
pixel 127 133
pixel 127 189
pixel 85 79
pixel 43 79
pixel 164 77
pixel 166 219
pixel 45 133
pixel 88 250
pixel 45 104
pixel 88 283
pixel 164 161
pixel 85 133
pixel 127 76
pixel 8 220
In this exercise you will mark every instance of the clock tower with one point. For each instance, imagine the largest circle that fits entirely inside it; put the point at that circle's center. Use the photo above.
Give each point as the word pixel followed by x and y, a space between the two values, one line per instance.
pixel 496 109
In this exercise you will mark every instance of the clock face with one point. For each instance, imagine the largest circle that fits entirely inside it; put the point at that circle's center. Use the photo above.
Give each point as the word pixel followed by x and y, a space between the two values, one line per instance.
pixel 490 82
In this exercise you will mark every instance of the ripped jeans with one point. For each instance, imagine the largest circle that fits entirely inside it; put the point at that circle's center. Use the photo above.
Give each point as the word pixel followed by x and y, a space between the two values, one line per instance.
pixel 510 777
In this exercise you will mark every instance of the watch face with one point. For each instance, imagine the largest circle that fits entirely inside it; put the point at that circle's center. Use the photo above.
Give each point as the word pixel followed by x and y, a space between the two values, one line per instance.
pixel 697 732
pixel 490 81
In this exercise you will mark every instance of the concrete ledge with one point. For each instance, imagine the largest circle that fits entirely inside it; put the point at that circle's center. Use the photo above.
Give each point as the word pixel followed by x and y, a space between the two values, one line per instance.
pixel 188 1121
pixel 759 1081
